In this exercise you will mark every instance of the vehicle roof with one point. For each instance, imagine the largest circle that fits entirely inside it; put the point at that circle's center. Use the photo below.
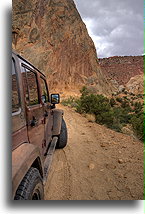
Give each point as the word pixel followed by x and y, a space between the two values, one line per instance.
pixel 23 59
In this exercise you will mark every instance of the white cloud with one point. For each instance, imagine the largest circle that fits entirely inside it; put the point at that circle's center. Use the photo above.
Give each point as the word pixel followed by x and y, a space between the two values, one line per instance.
pixel 116 27
pixel 102 43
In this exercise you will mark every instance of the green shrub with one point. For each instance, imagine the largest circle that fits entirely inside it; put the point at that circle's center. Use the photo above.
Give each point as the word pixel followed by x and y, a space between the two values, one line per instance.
pixel 137 122
pixel 106 111
pixel 122 115
pixel 124 104
pixel 116 125
pixel 84 91
pixel 131 103
pixel 105 118
pixel 119 99
pixel 140 95
pixel 92 103
pixel 86 104
pixel 137 107
pixel 71 101
pixel 112 102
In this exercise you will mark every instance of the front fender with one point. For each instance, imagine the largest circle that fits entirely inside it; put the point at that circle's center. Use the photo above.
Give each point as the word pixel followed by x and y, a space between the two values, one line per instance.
pixel 22 159
pixel 57 120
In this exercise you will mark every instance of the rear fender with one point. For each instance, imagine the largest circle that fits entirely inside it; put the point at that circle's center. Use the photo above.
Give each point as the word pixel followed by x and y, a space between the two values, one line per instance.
pixel 23 157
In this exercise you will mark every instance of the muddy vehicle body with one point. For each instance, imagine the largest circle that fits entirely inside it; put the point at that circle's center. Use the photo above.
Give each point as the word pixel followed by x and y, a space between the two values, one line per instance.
pixel 37 129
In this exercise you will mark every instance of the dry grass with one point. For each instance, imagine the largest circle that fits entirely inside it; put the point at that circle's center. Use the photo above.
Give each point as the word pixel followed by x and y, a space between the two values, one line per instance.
pixel 90 117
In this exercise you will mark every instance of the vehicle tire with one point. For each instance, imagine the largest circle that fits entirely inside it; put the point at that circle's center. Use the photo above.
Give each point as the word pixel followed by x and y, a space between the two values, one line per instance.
pixel 31 187
pixel 62 138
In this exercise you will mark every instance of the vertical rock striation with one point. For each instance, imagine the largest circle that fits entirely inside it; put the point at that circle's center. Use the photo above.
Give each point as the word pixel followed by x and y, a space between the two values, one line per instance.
pixel 51 35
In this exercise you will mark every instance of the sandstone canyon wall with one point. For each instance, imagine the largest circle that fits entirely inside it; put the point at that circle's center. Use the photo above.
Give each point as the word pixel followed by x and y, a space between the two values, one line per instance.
pixel 51 35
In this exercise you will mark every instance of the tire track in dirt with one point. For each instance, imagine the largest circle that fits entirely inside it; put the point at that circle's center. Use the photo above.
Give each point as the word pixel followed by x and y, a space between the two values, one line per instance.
pixel 59 178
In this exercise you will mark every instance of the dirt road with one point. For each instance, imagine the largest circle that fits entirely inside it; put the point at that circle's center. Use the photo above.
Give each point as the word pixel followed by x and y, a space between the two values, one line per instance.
pixel 97 164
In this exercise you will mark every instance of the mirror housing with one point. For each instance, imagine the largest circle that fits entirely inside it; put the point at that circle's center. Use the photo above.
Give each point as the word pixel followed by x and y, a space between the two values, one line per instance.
pixel 55 98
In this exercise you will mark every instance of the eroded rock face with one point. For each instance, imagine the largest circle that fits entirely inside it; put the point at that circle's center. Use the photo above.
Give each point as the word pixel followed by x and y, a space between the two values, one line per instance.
pixel 51 35
pixel 136 85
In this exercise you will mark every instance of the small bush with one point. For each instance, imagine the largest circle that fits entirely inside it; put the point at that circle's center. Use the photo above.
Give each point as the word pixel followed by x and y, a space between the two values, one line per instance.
pixel 137 122
pixel 91 103
pixel 122 115
pixel 112 102
pixel 84 91
pixel 105 118
pixel 131 103
pixel 124 104
pixel 71 101
pixel 137 107
pixel 116 125
pixel 140 95
pixel 119 99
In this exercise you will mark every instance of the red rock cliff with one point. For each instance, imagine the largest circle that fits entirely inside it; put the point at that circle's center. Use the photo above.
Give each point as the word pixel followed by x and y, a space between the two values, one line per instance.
pixel 51 35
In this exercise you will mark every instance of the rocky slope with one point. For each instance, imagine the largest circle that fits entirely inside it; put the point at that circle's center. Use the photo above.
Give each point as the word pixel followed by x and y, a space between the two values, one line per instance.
pixel 51 34
pixel 119 70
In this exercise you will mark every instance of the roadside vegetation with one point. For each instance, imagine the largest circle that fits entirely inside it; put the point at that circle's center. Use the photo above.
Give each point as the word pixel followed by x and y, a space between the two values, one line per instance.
pixel 115 113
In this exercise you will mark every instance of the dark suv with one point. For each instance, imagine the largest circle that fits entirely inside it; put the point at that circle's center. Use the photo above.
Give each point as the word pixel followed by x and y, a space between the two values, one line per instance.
pixel 37 129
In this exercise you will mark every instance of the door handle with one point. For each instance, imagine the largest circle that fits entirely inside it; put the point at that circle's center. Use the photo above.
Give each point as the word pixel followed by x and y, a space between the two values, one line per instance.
pixel 33 122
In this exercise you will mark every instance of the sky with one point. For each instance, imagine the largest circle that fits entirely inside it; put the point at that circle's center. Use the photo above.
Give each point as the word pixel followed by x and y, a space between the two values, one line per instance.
pixel 115 26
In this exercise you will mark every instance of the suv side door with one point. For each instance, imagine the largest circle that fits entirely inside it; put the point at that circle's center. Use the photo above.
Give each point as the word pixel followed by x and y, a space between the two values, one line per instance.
pixel 19 130
pixel 48 113
pixel 34 108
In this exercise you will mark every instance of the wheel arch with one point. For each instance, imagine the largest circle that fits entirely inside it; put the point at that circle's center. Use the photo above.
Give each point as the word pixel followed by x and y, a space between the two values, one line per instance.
pixel 37 164
pixel 57 120
pixel 24 157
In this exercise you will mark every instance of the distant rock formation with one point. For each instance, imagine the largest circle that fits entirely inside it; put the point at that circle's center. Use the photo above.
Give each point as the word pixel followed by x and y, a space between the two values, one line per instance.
pixel 122 68
pixel 52 35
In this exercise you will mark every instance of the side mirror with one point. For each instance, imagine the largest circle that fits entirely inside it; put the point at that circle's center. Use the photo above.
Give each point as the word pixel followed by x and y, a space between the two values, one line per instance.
pixel 55 98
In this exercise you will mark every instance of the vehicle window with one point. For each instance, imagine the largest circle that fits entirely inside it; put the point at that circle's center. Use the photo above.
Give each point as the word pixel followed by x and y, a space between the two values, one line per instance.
pixel 44 95
pixel 15 95
pixel 30 87
pixel 25 86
